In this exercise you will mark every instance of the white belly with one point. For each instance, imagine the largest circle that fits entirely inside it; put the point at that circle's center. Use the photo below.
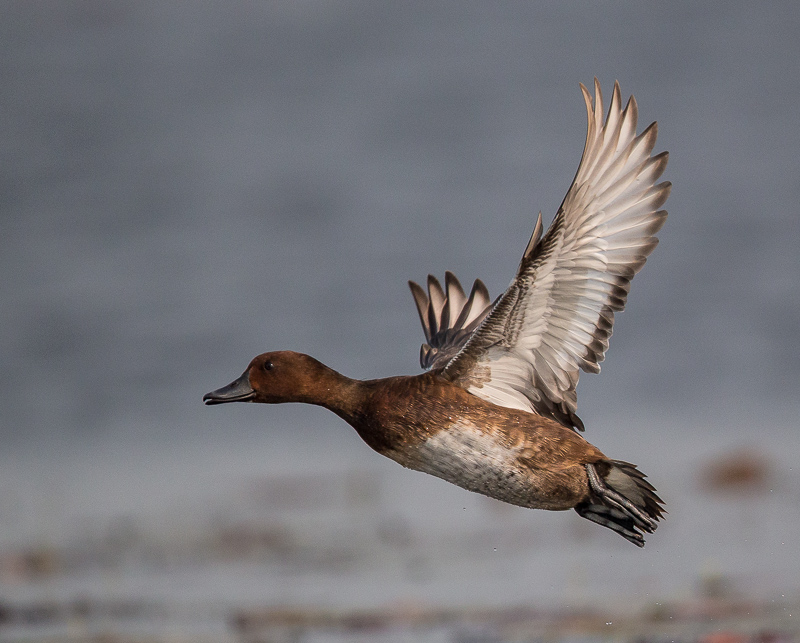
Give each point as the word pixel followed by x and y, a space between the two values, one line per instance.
pixel 474 460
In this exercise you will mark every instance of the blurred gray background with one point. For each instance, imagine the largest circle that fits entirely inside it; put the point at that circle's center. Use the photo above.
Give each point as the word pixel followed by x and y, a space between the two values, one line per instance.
pixel 185 186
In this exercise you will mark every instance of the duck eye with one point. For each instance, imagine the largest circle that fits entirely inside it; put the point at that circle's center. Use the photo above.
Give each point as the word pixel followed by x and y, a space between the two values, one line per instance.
pixel 267 365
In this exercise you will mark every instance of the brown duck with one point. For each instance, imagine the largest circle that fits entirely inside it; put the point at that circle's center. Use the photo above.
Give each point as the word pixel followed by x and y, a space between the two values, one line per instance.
pixel 495 413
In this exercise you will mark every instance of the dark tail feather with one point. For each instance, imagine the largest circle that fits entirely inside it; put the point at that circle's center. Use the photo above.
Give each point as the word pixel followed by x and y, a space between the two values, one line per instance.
pixel 621 499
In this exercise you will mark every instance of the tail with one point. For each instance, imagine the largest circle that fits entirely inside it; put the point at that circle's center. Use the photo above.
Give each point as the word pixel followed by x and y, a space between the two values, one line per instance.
pixel 621 499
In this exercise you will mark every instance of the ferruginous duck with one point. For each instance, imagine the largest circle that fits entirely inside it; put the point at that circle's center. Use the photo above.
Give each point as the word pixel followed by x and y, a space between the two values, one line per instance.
pixel 495 410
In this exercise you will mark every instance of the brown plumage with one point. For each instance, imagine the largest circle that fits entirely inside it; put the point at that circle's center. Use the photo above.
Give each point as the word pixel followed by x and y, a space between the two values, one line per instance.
pixel 496 412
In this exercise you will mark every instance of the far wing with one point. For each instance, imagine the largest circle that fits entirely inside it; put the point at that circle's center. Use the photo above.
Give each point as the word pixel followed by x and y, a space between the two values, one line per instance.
pixel 556 316
pixel 448 317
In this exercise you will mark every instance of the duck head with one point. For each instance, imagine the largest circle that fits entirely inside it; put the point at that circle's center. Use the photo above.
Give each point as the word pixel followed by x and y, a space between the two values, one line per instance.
pixel 273 378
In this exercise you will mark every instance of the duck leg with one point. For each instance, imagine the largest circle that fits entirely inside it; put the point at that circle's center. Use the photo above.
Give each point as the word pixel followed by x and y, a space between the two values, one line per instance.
pixel 614 499
pixel 612 518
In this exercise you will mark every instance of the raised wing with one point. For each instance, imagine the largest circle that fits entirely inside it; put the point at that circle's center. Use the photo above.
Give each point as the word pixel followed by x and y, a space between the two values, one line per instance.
pixel 448 317
pixel 556 316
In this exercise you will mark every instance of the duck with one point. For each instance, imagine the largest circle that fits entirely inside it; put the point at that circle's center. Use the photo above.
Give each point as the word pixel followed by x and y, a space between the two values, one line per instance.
pixel 494 409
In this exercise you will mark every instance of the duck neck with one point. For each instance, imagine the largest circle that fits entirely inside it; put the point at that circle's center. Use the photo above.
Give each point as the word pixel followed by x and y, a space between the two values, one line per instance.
pixel 344 396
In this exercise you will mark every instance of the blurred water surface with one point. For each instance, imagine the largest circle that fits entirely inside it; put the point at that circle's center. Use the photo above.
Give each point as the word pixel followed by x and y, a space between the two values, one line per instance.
pixel 185 187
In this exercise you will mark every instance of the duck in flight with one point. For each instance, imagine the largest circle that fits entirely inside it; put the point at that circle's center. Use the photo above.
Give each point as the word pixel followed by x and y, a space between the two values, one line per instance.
pixel 495 410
